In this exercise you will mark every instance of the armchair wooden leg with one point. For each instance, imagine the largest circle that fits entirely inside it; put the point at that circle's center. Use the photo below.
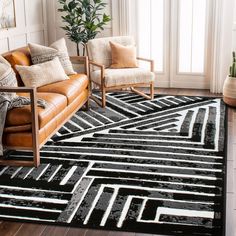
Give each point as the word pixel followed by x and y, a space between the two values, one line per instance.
pixel 152 90
pixel 95 99
pixel 87 105
pixel 103 97
pixel 143 94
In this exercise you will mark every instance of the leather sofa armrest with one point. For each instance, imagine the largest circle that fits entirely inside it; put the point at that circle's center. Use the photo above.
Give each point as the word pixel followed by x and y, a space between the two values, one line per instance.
pixel 83 59
pixel 148 60
pixel 33 99
pixel 34 115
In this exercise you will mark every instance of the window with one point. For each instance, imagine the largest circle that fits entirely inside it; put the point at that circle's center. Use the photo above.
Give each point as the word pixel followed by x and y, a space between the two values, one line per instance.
pixel 192 36
pixel 175 35
pixel 151 31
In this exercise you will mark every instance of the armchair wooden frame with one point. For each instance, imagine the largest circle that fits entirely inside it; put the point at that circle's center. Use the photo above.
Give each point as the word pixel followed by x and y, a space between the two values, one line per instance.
pixel 84 59
pixel 36 145
pixel 104 89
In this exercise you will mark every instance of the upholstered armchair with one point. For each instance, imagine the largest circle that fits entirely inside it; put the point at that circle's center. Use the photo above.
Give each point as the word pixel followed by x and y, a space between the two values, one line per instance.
pixel 107 79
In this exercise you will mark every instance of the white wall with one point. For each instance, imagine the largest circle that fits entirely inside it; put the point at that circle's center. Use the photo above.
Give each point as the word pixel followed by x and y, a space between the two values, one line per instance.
pixel 234 30
pixel 31 25
pixel 55 22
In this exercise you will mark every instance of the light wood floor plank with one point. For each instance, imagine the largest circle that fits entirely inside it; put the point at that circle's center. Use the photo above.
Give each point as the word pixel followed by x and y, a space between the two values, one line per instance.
pixel 55 231
pixel 76 232
pixel 9 228
pixel 30 229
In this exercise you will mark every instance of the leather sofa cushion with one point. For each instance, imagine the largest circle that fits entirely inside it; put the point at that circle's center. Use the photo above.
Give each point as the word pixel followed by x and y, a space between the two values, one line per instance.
pixel 71 88
pixel 56 103
pixel 24 139
pixel 18 57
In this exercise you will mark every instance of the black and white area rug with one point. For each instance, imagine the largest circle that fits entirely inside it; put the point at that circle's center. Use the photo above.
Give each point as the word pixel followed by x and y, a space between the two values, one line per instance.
pixel 143 166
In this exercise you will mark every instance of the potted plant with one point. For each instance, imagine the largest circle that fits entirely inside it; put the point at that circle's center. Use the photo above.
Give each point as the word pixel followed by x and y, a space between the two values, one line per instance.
pixel 83 20
pixel 229 89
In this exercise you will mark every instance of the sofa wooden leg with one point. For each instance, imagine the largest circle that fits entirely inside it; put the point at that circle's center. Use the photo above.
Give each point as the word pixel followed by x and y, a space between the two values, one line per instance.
pixel 36 154
pixel 35 128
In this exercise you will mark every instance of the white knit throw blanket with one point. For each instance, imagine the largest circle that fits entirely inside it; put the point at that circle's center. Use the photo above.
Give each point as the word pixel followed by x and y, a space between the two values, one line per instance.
pixel 7 104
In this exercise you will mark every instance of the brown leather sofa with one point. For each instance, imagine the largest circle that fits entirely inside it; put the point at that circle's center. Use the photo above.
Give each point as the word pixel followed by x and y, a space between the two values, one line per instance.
pixel 30 127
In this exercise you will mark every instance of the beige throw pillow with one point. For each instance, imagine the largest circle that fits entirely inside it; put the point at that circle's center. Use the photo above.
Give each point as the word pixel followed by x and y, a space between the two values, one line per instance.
pixel 40 54
pixel 123 56
pixel 7 77
pixel 42 74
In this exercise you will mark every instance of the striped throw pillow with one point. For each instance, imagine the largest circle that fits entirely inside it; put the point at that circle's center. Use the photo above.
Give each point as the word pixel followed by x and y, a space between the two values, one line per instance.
pixel 40 54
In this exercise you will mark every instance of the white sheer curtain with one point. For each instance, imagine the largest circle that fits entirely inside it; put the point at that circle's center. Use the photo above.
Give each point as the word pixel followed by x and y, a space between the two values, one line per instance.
pixel 123 15
pixel 222 43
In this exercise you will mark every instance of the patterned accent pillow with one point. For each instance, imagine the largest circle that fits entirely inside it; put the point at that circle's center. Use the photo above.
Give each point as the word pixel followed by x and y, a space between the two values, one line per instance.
pixel 42 74
pixel 7 77
pixel 40 54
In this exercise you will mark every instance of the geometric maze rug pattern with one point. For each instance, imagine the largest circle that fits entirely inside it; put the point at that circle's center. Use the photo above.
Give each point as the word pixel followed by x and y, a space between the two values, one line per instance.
pixel 137 165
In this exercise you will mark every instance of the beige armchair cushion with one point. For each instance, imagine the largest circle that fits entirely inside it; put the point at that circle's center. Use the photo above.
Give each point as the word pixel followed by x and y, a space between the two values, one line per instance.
pixel 118 77
pixel 99 50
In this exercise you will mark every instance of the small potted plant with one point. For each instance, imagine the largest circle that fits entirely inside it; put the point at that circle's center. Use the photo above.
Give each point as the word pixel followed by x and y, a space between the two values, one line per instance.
pixel 83 20
pixel 229 89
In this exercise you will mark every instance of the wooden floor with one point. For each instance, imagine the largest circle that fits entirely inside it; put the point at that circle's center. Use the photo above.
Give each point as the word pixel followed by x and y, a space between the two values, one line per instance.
pixel 23 229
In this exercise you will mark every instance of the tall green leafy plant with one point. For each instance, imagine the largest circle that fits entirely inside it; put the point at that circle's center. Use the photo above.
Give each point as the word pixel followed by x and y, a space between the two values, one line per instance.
pixel 83 20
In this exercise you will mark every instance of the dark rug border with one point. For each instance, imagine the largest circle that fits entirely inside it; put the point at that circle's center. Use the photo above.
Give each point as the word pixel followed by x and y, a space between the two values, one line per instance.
pixel 225 166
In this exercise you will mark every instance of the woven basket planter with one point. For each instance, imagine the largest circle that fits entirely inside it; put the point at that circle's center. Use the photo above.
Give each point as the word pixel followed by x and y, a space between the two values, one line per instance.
pixel 229 91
